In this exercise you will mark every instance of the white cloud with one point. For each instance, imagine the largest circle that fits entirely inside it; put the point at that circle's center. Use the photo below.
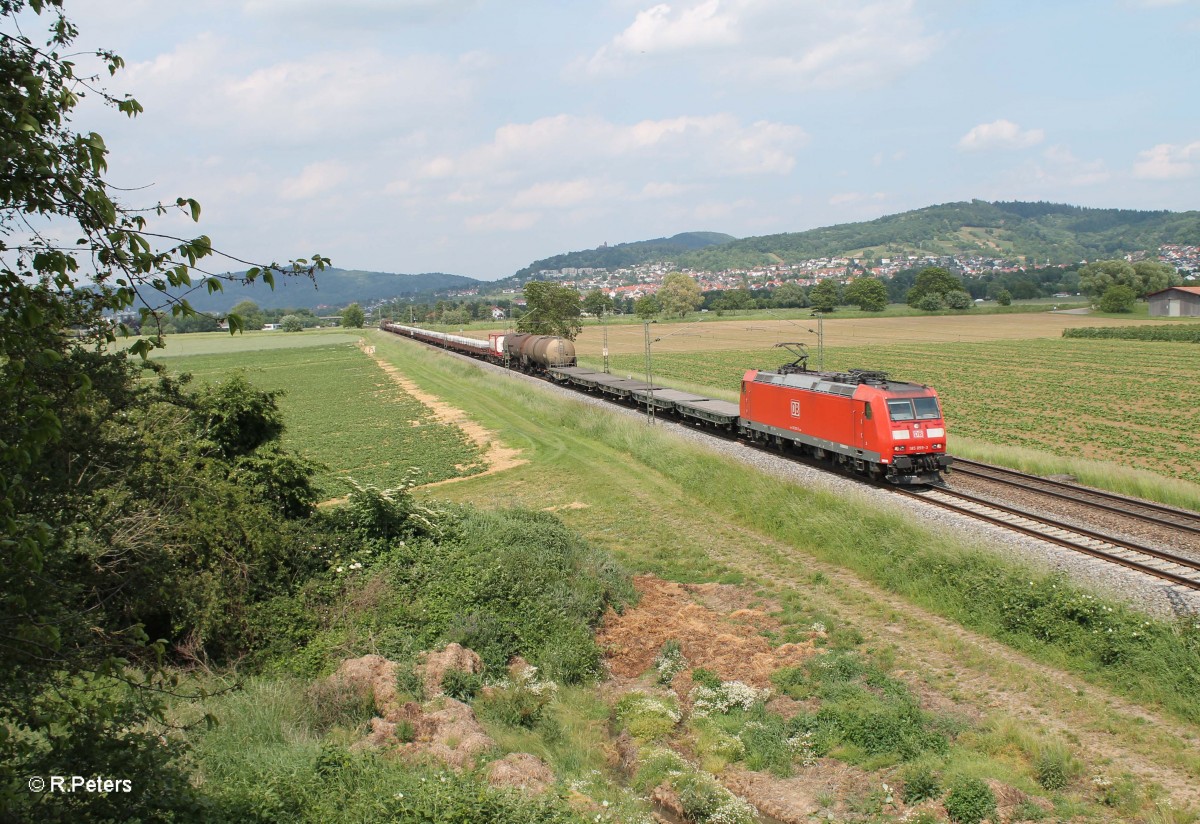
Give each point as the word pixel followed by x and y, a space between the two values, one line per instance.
pixel 696 146
pixel 663 29
pixel 347 13
pixel 502 220
pixel 801 43
pixel 1000 134
pixel 1167 161
pixel 849 198
pixel 560 194
pixel 315 179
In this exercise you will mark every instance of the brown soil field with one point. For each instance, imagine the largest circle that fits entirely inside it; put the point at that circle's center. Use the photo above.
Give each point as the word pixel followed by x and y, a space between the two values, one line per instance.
pixel 754 333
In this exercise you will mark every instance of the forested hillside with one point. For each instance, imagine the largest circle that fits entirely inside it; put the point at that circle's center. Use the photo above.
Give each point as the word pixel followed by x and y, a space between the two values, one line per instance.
pixel 337 287
pixel 1038 232
pixel 628 254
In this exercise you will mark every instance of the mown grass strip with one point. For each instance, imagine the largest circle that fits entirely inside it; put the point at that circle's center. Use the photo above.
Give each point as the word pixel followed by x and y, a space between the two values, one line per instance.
pixel 1152 662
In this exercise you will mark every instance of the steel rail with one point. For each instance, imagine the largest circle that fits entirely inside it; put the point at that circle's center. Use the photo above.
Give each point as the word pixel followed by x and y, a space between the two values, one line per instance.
pixel 1095 552
pixel 1075 493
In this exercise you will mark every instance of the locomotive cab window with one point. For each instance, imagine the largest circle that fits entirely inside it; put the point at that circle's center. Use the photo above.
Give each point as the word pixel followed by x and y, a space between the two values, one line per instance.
pixel 900 410
pixel 927 409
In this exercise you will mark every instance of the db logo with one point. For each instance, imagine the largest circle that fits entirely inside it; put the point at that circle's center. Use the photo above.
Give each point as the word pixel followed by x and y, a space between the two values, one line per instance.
pixel 795 409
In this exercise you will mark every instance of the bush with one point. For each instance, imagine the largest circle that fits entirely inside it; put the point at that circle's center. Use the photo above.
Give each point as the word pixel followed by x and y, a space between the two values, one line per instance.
pixel 959 300
pixel 1117 298
pixel 931 303
pixel 334 703
pixel 647 717
pixel 1055 767
pixel 969 801
pixel 461 685
pixel 1172 332
pixel 920 784
pixel 519 705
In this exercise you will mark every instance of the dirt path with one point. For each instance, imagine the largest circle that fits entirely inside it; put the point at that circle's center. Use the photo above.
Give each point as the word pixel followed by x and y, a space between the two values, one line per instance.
pixel 496 455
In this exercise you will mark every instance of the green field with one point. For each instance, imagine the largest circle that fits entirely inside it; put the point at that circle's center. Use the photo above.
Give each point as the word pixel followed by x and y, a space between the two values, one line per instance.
pixel 339 407
pixel 1129 403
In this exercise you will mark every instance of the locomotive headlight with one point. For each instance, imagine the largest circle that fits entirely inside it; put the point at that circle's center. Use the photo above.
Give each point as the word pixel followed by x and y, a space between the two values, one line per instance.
pixel 901 448
pixel 937 446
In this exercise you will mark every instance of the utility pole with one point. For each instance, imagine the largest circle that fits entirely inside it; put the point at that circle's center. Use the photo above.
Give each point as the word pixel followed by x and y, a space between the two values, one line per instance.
pixel 820 340
pixel 649 376
pixel 605 325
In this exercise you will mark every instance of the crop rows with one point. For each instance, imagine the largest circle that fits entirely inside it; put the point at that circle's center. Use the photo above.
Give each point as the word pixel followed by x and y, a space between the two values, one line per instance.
pixel 1131 403
pixel 344 412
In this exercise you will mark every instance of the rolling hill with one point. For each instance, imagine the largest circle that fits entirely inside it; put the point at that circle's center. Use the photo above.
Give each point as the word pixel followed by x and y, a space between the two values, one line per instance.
pixel 627 254
pixel 333 288
pixel 1041 232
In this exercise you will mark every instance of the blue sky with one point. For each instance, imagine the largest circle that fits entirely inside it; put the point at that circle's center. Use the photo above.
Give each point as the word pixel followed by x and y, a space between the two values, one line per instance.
pixel 475 136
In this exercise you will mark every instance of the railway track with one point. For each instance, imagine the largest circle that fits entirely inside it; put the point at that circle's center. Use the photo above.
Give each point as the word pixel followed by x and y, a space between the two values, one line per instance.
pixel 1151 513
pixel 1175 569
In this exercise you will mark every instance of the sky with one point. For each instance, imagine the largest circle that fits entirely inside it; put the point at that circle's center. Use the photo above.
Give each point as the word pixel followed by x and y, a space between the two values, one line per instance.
pixel 476 136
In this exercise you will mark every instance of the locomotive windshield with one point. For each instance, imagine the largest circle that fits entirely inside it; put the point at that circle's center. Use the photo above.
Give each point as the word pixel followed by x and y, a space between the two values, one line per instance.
pixel 927 409
pixel 900 410
pixel 921 409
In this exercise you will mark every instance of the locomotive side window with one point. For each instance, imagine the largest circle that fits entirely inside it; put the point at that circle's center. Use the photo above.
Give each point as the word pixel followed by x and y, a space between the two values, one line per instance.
pixel 900 410
pixel 927 409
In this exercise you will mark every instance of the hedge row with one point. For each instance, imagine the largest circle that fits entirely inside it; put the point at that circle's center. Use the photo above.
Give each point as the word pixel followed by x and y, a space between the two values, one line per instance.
pixel 1188 333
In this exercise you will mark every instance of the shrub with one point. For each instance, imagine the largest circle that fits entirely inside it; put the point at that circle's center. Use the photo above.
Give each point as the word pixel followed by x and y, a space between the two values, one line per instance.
pixel 1176 332
pixel 460 684
pixel 334 703
pixel 670 662
pixel 920 784
pixel 1117 298
pixel 931 303
pixel 647 717
pixel 959 300
pixel 1055 767
pixel 969 801
pixel 517 705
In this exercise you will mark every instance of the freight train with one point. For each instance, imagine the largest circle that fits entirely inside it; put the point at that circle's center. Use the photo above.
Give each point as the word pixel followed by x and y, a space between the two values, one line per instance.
pixel 859 420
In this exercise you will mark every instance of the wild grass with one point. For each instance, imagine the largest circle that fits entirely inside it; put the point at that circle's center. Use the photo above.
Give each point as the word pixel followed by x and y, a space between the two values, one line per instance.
pixel 265 761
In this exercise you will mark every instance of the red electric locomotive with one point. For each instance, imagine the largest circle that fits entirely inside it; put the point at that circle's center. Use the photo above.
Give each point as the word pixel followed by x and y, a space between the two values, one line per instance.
pixel 878 427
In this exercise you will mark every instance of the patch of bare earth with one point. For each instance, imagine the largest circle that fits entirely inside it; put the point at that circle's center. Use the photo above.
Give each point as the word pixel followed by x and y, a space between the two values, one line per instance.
pixel 711 624
pixel 717 628
pixel 496 455
pixel 442 729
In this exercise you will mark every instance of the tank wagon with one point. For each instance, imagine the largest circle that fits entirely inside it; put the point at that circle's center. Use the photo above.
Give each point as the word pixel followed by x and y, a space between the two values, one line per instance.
pixel 529 353
pixel 859 420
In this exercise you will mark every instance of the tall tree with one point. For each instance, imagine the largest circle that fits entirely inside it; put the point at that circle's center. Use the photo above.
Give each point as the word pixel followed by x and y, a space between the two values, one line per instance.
pixel 825 295
pixel 551 310
pixel 868 294
pixel 647 306
pixel 933 280
pixel 597 302
pixel 72 569
pixel 353 316
pixel 679 294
